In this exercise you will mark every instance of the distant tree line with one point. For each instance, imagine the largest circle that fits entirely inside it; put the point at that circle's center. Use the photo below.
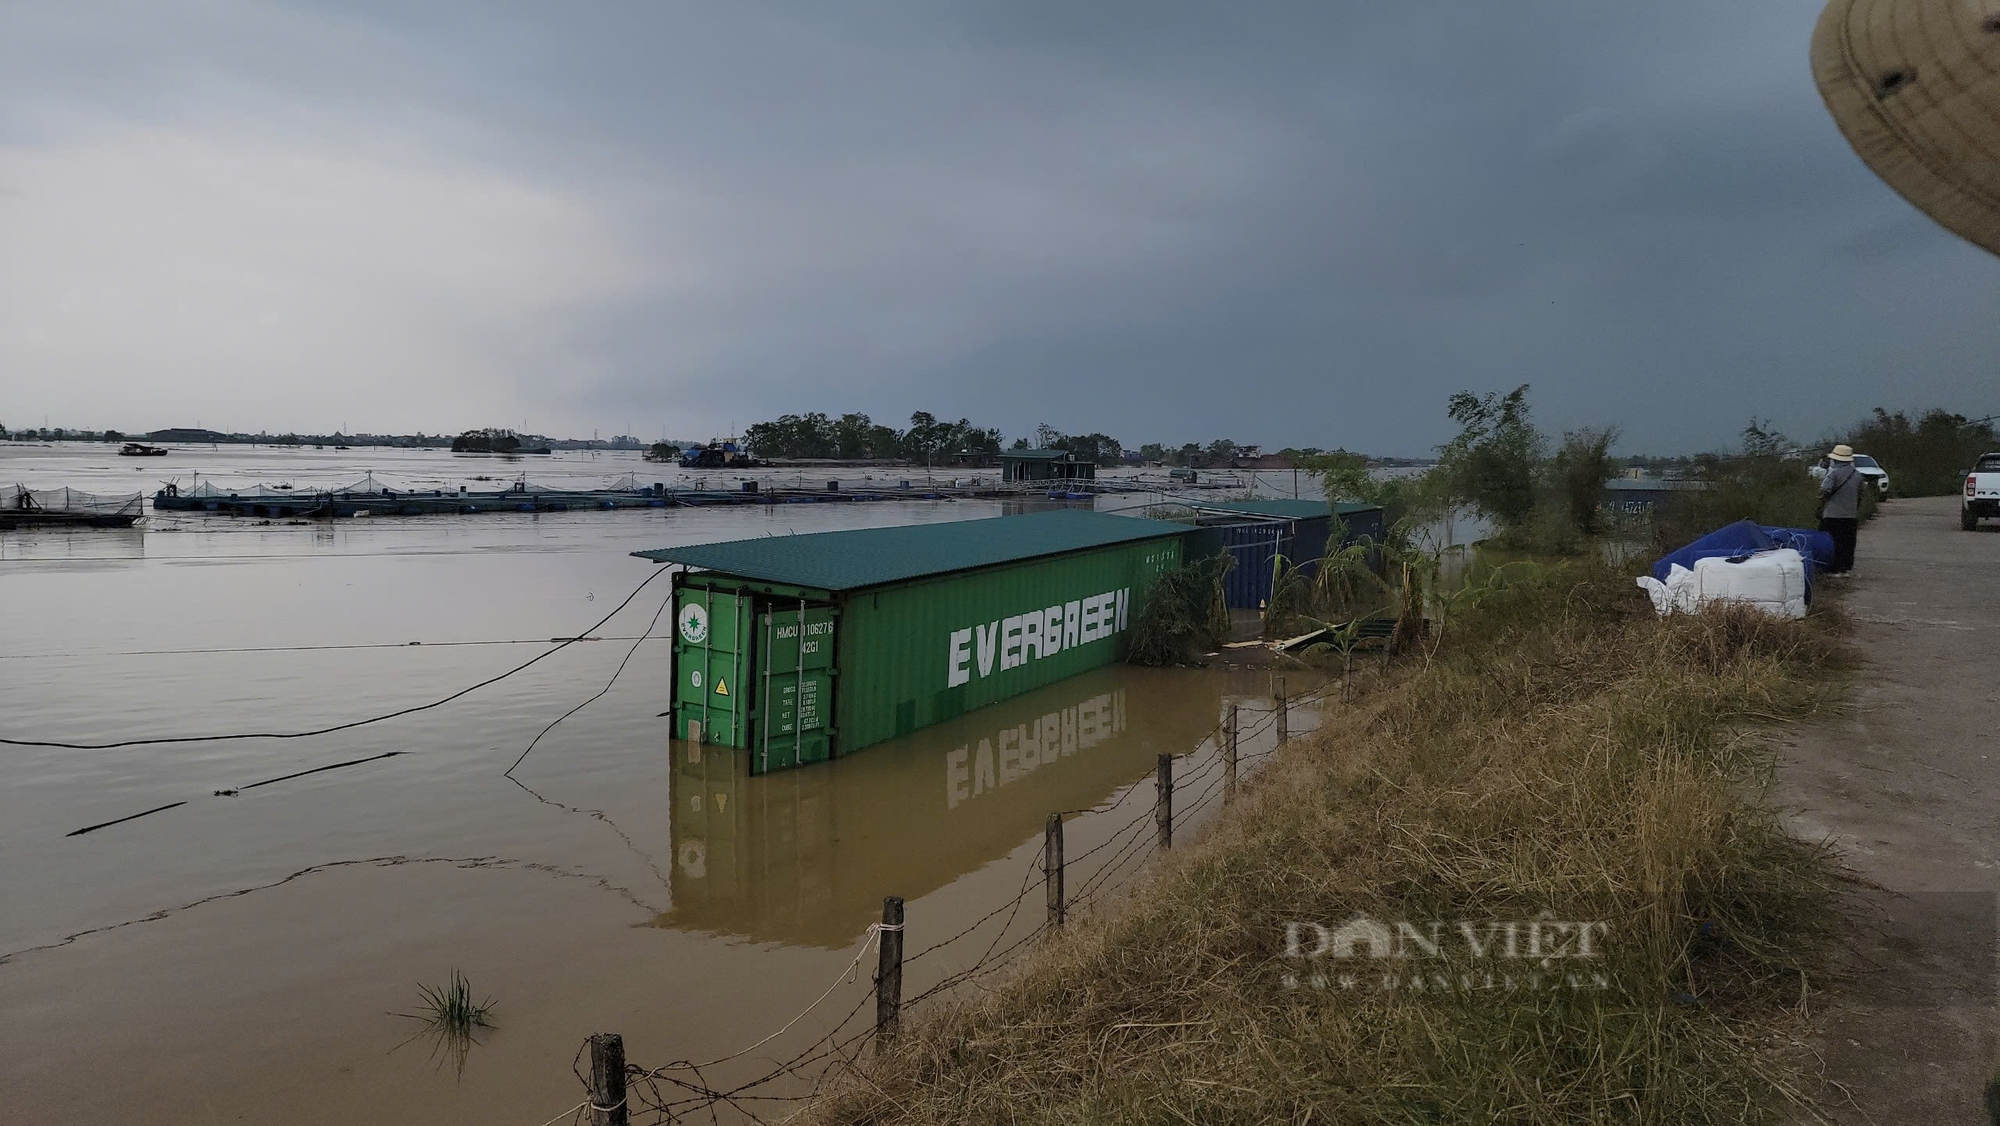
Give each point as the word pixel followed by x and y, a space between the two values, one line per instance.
pixel 58 434
pixel 486 441
pixel 419 440
pixel 1926 457
pixel 1546 494
pixel 1925 453
pixel 855 436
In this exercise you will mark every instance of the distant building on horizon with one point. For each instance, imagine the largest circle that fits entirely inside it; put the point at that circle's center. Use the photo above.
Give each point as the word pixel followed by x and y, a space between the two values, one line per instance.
pixel 1045 465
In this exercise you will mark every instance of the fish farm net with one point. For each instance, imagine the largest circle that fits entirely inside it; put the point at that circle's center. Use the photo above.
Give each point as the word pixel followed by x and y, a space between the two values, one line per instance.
pixel 20 498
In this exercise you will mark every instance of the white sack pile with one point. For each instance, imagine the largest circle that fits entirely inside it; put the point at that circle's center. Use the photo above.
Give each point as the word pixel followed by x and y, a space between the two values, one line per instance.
pixel 1772 581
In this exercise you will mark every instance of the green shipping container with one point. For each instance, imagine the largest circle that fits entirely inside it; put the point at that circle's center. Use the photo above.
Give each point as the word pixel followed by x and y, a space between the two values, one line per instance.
pixel 798 648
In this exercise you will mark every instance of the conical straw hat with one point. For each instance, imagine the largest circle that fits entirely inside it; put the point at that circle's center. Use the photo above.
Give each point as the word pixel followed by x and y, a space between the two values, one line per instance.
pixel 1915 87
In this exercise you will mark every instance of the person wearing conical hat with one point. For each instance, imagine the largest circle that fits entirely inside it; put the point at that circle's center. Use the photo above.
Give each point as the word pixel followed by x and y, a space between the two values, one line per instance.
pixel 1840 506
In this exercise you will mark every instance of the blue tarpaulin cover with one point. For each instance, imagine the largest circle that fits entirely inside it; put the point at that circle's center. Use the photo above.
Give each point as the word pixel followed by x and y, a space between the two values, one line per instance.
pixel 1747 538
pixel 1816 546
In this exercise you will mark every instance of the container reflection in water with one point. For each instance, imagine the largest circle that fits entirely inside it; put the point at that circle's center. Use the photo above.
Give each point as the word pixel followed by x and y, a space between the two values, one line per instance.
pixel 805 856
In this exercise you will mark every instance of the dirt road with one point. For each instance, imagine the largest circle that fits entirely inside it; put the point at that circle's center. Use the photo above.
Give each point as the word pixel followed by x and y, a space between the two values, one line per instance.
pixel 1907 787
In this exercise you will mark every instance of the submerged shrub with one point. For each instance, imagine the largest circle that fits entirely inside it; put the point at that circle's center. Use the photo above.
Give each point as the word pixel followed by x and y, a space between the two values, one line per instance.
pixel 1185 612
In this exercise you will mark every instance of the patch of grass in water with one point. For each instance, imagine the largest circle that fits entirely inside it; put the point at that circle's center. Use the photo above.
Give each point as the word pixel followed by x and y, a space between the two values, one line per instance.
pixel 452 1020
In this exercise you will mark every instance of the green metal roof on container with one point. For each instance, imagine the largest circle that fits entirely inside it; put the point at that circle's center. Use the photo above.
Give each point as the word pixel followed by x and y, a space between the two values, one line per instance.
pixel 868 557
pixel 1284 509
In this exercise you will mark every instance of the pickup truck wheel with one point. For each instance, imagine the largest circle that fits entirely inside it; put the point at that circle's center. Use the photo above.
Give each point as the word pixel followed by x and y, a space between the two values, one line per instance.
pixel 1967 522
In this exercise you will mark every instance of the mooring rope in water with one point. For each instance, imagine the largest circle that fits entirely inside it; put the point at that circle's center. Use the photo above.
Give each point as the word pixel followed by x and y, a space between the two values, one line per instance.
pixel 350 725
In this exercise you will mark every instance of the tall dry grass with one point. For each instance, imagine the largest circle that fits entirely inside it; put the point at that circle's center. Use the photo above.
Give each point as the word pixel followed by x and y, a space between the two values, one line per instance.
pixel 1564 752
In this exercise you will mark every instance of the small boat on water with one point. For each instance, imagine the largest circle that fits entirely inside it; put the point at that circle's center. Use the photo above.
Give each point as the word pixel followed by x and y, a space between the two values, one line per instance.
pixel 141 449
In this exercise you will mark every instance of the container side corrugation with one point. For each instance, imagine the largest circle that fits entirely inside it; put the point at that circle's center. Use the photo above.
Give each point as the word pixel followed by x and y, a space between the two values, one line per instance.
pixel 867 557
pixel 1284 509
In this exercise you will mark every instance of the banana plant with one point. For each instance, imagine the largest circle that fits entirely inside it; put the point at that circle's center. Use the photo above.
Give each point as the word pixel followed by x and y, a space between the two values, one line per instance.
pixel 1342 639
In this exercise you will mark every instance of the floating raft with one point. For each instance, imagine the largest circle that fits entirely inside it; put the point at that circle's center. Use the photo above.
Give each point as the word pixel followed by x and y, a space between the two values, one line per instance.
pixel 371 498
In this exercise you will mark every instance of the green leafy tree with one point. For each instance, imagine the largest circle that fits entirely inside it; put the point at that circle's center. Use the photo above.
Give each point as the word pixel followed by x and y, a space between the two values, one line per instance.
pixel 1496 457
pixel 853 436
pixel 1580 470
pixel 1406 499
pixel 1100 449
pixel 1761 439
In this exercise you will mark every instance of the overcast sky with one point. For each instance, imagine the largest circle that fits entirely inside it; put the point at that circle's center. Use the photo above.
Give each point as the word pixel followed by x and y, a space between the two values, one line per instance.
pixel 1295 225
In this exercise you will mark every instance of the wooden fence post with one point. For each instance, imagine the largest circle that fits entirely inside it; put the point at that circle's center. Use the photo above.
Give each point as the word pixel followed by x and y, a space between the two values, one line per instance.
pixel 1163 809
pixel 1052 867
pixel 1284 721
pixel 607 1080
pixel 889 972
pixel 1229 757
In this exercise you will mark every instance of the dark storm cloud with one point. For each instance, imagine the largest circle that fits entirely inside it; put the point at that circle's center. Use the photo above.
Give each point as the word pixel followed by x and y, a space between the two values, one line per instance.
pixel 1300 224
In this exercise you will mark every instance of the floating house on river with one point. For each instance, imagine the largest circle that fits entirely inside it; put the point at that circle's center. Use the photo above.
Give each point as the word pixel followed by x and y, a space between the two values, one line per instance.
pixel 801 648
pixel 1045 465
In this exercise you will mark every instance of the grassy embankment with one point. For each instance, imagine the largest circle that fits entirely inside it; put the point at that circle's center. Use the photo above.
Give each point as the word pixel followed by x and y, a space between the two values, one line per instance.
pixel 1562 751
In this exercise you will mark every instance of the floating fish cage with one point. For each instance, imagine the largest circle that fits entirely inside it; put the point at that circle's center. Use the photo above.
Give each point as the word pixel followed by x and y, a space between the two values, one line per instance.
pixel 21 506
pixel 368 497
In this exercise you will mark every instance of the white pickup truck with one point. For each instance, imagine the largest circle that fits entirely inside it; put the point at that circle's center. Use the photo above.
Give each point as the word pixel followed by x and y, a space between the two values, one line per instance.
pixel 1982 492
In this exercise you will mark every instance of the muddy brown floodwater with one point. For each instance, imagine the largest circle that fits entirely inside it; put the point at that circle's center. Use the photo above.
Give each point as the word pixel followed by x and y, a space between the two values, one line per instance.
pixel 245 957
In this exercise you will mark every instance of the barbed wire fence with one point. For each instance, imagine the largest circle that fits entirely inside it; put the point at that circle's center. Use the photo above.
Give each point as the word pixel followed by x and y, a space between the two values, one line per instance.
pixel 619 1092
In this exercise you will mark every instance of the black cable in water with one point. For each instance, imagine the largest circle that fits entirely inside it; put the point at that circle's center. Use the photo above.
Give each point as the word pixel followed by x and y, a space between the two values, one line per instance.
pixel 340 726
pixel 122 820
pixel 616 673
pixel 317 769
pixel 232 793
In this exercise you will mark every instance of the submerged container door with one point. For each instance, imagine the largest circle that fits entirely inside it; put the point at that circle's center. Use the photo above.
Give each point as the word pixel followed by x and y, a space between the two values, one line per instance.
pixel 794 687
pixel 1255 547
pixel 711 643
